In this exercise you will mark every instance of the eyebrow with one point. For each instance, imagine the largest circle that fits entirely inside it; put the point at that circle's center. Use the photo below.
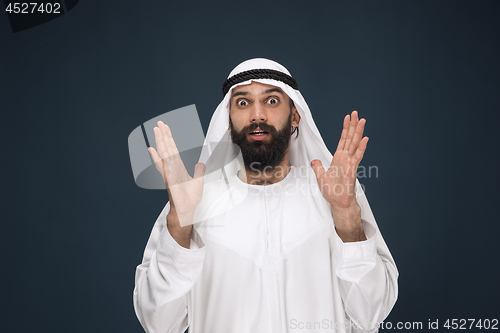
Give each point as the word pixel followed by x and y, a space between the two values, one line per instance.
pixel 278 90
pixel 240 93
pixel 268 91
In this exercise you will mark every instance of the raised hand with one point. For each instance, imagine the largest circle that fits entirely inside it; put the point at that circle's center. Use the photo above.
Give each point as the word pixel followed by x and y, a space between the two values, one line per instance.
pixel 337 184
pixel 184 191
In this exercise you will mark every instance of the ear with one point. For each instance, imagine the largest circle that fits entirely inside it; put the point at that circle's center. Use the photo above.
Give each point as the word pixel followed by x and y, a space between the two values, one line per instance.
pixel 295 117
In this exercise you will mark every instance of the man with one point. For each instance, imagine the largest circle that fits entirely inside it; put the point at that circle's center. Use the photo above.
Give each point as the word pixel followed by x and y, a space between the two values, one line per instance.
pixel 278 244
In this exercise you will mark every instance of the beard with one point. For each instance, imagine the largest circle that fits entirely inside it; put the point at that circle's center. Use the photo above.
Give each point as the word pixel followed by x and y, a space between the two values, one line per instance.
pixel 257 155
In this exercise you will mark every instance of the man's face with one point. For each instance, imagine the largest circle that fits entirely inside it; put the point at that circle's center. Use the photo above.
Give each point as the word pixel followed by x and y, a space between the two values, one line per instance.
pixel 261 117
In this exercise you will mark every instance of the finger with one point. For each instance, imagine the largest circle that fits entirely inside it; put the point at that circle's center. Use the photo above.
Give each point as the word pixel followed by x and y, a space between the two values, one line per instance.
pixel 352 130
pixel 317 167
pixel 199 170
pixel 157 161
pixel 154 155
pixel 343 136
pixel 160 144
pixel 165 134
pixel 357 136
pixel 168 139
pixel 358 155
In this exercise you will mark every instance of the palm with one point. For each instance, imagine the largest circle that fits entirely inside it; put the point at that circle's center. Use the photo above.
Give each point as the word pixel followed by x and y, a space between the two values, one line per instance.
pixel 337 184
pixel 185 192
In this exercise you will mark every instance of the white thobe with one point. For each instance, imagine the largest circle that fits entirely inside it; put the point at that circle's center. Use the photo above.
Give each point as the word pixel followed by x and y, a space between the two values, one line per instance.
pixel 267 260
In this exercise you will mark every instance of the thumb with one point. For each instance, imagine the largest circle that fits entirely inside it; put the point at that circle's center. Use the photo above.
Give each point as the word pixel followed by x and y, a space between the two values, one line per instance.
pixel 199 170
pixel 317 166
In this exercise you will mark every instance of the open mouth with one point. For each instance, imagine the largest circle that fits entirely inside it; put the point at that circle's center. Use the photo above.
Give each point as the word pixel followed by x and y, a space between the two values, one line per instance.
pixel 258 133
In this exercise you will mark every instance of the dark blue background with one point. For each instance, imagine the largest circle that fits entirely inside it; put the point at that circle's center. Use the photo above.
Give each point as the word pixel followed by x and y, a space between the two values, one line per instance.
pixel 425 75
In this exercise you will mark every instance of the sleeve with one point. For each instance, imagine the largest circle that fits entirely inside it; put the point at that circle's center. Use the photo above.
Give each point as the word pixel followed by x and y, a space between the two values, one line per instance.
pixel 165 277
pixel 367 272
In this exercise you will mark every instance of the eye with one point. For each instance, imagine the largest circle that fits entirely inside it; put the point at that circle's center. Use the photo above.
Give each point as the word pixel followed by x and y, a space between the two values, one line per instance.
pixel 242 102
pixel 273 100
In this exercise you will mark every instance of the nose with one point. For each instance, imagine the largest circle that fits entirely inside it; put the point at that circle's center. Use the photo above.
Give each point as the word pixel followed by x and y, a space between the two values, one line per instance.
pixel 258 113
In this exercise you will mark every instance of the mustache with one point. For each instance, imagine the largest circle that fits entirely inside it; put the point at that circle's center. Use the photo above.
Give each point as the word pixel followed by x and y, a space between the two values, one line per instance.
pixel 262 125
